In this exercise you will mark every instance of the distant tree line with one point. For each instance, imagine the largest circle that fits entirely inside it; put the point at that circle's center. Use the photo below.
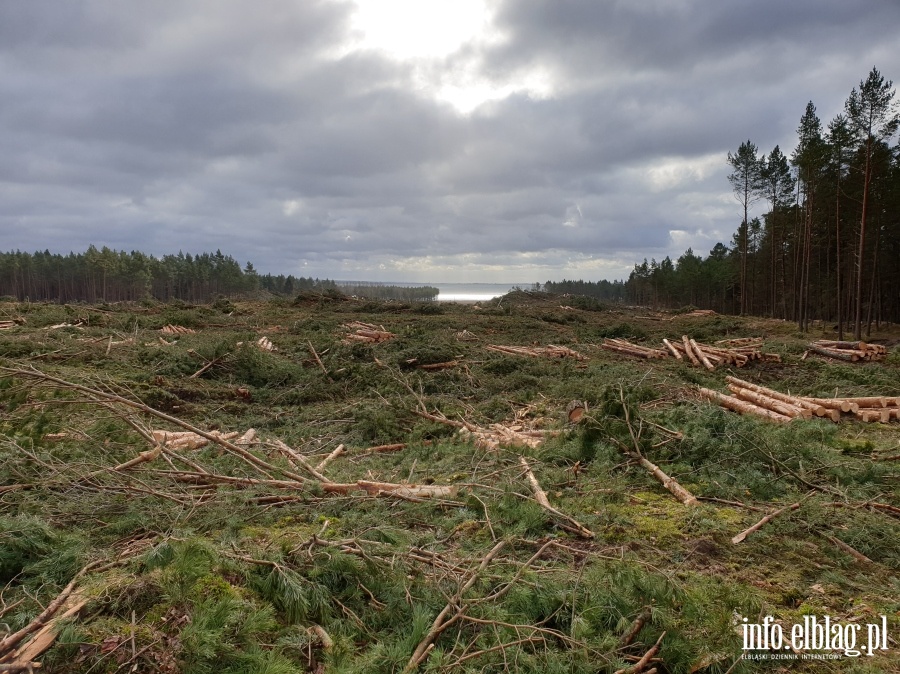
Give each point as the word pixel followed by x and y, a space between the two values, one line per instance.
pixel 610 291
pixel 828 248
pixel 106 275
pixel 113 276
pixel 289 285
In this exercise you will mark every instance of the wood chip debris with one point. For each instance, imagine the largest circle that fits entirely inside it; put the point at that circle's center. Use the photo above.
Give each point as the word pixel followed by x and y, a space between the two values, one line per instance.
pixel 549 351
pixel 849 351
pixel 366 333
pixel 749 398
pixel 176 330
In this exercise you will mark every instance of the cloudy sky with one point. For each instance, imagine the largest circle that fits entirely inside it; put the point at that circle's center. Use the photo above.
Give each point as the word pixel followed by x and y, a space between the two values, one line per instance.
pixel 409 140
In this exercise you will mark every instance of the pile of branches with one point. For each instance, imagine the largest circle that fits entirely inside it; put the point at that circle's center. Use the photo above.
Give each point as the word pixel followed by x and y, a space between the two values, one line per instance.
pixel 366 333
pixel 549 351
pixel 849 351
pixel 749 398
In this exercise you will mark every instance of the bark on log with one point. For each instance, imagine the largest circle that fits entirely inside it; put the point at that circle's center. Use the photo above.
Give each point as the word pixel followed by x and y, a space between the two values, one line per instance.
pixel 675 352
pixel 840 404
pixel 815 408
pixel 689 351
pixel 849 356
pixel 762 400
pixel 702 356
pixel 741 406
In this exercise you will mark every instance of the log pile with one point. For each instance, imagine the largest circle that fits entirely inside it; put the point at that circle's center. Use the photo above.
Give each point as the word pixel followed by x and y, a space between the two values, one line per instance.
pixel 190 440
pixel 849 351
pixel 176 330
pixel 749 398
pixel 549 351
pixel 701 312
pixel 366 333
pixel 6 325
pixel 629 349
pixel 728 352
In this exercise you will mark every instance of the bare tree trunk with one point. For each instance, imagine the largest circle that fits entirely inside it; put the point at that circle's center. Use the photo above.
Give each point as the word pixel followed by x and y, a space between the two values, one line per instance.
pixel 857 324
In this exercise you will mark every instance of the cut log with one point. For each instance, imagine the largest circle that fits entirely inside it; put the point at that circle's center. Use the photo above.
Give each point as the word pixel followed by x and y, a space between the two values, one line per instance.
pixel 575 411
pixel 815 408
pixel 675 352
pixel 742 406
pixel 850 356
pixel 840 404
pixel 829 344
pixel 701 355
pixel 689 351
pixel 762 400
pixel 870 401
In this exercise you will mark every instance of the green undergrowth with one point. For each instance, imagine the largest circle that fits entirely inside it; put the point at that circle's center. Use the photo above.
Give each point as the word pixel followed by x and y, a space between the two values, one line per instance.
pixel 246 574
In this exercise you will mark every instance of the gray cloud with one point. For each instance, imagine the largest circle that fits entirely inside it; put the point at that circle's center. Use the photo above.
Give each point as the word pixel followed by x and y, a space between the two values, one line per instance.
pixel 266 133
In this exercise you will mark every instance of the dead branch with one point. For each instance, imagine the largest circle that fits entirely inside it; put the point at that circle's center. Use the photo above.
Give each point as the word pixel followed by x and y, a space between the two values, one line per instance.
pixel 853 552
pixel 671 484
pixel 442 622
pixel 641 664
pixel 13 640
pixel 99 395
pixel 315 355
pixel 759 525
pixel 635 627
pixel 335 453
pixel 540 496
pixel 300 459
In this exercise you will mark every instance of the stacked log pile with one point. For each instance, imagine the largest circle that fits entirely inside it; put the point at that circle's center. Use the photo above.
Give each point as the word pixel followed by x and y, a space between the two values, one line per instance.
pixel 849 351
pixel 176 330
pixel 549 351
pixel 749 398
pixel 366 333
pixel 629 349
pixel 190 440
pixel 727 352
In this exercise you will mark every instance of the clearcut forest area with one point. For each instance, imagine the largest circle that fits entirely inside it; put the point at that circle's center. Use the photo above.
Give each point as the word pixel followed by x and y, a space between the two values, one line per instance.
pixel 537 484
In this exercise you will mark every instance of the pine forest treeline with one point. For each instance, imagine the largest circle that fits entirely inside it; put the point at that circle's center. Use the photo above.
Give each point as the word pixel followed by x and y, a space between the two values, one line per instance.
pixel 827 248
pixel 105 275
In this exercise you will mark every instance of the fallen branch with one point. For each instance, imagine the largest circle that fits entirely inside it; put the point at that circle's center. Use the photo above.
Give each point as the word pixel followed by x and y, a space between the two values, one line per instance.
pixel 442 622
pixel 541 497
pixel 759 525
pixel 853 552
pixel 635 627
pixel 641 664
pixel 335 453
